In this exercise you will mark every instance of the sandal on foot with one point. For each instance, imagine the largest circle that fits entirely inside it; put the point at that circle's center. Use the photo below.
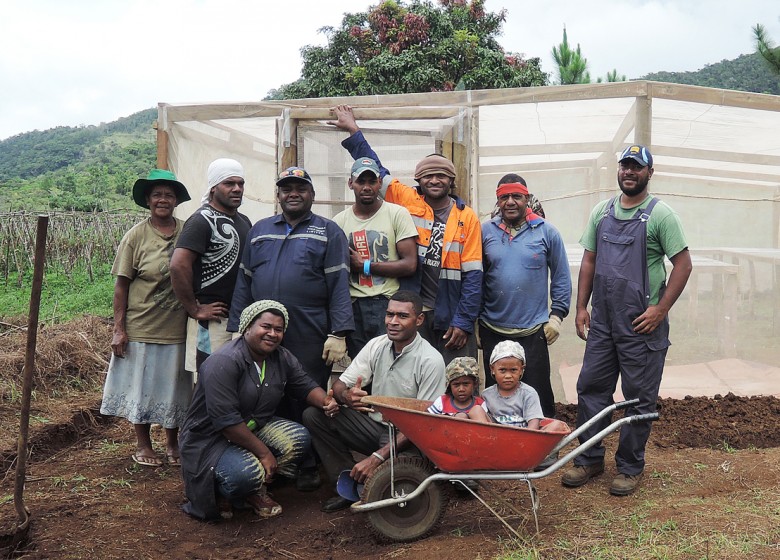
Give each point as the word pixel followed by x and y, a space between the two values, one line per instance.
pixel 263 505
pixel 173 460
pixel 146 460
pixel 225 508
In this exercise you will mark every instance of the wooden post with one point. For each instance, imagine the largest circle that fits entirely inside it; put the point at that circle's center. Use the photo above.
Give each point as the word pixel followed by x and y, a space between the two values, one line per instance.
pixel 29 370
pixel 162 147
pixel 287 142
pixel 460 154
pixel 643 127
pixel 286 145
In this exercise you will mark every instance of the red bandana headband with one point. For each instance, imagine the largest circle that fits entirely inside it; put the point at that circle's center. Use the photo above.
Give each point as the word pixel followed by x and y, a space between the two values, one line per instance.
pixel 511 188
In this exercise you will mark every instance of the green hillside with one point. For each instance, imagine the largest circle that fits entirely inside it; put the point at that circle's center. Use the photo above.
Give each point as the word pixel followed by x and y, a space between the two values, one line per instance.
pixel 748 72
pixel 93 167
pixel 77 168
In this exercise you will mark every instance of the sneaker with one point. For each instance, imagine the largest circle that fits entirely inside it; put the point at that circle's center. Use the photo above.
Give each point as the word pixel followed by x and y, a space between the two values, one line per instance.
pixel 308 480
pixel 624 484
pixel 580 474
pixel 264 505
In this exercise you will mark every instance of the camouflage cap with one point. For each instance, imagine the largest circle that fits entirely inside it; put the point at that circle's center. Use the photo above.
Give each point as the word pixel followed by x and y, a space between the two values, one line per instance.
pixel 458 367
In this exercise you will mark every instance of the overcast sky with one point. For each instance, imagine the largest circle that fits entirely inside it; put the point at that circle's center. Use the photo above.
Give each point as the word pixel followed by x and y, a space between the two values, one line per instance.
pixel 90 61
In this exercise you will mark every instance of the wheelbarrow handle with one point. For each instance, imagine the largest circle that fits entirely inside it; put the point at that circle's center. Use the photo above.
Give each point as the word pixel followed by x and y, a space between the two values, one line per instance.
pixel 598 416
pixel 644 417
pixel 626 404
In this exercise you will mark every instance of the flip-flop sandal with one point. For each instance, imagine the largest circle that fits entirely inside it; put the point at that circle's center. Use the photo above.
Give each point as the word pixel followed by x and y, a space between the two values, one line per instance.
pixel 173 460
pixel 146 461
pixel 225 508
pixel 264 506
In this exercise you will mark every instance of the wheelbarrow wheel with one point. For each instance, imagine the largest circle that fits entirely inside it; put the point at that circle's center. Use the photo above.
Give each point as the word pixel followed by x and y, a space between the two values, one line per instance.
pixel 410 520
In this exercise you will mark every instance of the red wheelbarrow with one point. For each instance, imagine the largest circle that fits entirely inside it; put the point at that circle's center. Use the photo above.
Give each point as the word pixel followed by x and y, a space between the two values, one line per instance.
pixel 406 496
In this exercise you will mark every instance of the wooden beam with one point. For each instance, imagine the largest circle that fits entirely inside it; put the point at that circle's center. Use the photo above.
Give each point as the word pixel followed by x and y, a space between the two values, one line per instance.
pixel 162 147
pixel 379 113
pixel 748 176
pixel 535 166
pixel 545 149
pixel 444 104
pixel 643 125
pixel 628 124
pixel 287 155
pixel 178 113
pixel 725 97
pixel 546 94
pixel 202 113
pixel 474 153
pixel 716 155
pixel 460 155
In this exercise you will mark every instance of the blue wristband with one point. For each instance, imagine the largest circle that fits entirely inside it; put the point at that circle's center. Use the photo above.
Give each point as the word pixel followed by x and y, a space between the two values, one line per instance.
pixel 366 268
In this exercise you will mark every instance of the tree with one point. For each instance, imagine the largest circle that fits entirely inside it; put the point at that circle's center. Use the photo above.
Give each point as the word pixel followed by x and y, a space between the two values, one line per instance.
pixel 612 77
pixel 572 66
pixel 766 48
pixel 419 47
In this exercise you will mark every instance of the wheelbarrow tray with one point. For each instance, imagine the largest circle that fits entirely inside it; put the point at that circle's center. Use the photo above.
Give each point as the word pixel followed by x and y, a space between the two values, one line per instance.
pixel 460 445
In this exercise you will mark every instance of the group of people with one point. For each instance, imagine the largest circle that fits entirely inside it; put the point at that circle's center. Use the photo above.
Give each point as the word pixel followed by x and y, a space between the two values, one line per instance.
pixel 407 283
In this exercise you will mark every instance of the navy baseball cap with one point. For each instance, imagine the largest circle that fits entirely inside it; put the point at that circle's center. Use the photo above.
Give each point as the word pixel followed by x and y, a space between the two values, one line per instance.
pixel 364 164
pixel 294 173
pixel 639 154
pixel 348 488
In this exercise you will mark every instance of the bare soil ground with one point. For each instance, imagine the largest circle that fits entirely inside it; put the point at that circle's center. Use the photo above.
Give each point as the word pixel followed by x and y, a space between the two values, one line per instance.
pixel 711 490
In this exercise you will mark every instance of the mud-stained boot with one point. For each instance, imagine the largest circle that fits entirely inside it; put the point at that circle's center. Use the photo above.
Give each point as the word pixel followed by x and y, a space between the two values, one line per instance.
pixel 580 474
pixel 624 484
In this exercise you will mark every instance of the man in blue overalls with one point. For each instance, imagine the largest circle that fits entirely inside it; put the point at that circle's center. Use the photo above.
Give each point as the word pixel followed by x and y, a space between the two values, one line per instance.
pixel 625 243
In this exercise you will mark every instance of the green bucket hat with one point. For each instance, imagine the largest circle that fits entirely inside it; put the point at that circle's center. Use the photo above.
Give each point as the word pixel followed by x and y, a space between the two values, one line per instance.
pixel 159 177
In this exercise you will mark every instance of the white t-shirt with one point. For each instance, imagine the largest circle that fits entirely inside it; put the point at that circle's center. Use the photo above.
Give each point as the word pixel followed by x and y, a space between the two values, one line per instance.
pixel 516 409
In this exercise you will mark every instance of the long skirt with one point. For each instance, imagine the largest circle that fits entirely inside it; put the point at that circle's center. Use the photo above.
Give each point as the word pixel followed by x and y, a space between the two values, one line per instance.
pixel 149 385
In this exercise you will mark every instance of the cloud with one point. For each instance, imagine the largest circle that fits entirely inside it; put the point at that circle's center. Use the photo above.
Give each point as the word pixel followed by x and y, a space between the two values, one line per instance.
pixel 91 61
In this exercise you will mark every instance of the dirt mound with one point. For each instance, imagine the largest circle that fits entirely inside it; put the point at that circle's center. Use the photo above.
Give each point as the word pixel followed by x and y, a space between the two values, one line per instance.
pixel 722 421
pixel 710 488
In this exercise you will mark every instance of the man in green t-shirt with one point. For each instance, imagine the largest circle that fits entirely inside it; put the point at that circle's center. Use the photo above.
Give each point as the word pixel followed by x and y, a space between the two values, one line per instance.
pixel 627 331
pixel 382 248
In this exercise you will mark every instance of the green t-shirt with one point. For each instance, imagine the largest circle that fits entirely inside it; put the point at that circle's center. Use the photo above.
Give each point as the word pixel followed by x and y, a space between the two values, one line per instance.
pixel 665 237
pixel 153 312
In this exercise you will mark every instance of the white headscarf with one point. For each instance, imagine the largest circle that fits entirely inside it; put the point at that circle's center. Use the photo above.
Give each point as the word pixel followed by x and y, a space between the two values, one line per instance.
pixel 507 349
pixel 219 170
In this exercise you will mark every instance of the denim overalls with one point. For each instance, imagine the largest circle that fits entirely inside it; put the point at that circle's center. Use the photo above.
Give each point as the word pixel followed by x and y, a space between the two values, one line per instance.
pixel 621 293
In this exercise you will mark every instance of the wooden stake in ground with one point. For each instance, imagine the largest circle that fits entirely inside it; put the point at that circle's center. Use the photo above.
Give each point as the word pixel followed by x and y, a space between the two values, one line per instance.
pixel 29 370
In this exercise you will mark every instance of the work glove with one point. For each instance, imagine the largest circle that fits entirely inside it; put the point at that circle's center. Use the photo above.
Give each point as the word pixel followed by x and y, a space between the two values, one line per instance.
pixel 552 329
pixel 335 348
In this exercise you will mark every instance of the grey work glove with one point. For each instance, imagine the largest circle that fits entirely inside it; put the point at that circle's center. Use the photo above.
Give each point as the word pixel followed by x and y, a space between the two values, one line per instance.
pixel 552 329
pixel 335 348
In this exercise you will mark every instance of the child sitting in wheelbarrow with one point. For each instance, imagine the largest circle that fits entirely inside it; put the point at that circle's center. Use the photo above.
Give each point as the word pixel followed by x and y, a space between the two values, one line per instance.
pixel 510 401
pixel 460 399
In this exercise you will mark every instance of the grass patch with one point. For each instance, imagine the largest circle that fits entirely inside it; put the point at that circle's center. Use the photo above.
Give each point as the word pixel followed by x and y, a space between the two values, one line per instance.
pixel 62 297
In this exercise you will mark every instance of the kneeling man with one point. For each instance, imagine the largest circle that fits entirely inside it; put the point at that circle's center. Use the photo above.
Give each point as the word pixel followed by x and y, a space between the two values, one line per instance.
pixel 400 363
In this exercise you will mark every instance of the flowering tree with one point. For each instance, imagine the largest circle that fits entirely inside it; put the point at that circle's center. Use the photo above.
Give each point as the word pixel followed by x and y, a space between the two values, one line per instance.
pixel 419 47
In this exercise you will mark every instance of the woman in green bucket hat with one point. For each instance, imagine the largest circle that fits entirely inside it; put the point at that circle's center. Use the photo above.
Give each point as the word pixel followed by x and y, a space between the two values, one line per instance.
pixel 146 381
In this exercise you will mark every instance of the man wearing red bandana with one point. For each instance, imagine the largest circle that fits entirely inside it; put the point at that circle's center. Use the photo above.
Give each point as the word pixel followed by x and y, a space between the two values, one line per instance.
pixel 525 266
